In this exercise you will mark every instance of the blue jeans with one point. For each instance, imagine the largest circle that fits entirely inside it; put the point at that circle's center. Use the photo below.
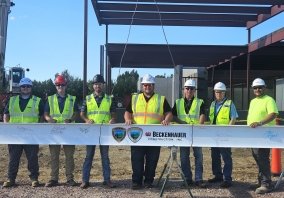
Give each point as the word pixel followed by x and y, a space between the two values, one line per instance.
pixel 15 152
pixel 226 154
pixel 86 170
pixel 138 155
pixel 185 162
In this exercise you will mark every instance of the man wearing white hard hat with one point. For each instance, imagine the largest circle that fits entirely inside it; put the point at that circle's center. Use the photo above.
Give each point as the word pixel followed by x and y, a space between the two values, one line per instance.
pixel 24 108
pixel 146 108
pixel 262 111
pixel 190 110
pixel 222 112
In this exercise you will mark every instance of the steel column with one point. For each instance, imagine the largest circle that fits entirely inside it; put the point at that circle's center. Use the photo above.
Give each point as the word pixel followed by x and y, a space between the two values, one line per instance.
pixel 85 48
pixel 102 60
pixel 231 79
pixel 212 80
pixel 248 71
pixel 106 60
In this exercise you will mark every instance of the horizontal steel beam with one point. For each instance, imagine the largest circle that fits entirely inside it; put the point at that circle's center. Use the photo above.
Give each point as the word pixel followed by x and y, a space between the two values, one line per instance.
pixel 176 16
pixel 246 2
pixel 184 8
pixel 174 23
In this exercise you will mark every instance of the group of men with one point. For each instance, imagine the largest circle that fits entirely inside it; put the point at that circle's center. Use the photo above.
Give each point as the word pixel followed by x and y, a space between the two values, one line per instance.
pixel 144 108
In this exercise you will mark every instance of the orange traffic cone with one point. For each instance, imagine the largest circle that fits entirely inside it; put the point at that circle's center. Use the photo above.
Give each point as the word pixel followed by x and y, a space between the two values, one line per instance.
pixel 276 166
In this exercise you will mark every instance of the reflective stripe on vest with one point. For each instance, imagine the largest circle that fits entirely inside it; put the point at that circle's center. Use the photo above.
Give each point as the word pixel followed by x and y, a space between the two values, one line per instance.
pixel 68 109
pixel 98 114
pixel 29 115
pixel 223 116
pixel 193 113
pixel 150 112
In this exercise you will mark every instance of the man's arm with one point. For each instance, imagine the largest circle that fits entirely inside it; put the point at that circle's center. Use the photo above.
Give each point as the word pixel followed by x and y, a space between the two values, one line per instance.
pixel 168 117
pixel 113 117
pixel 128 118
pixel 266 120
pixel 232 121
pixel 6 118
pixel 84 117
pixel 176 119
pixel 201 119
pixel 48 118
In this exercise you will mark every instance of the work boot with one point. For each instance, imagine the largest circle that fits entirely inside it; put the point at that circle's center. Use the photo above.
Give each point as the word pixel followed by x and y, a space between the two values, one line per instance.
pixel 148 184
pixel 226 184
pixel 200 183
pixel 109 184
pixel 136 186
pixel 35 183
pixel 189 182
pixel 51 183
pixel 254 186
pixel 9 183
pixel 85 185
pixel 263 189
pixel 215 179
pixel 71 182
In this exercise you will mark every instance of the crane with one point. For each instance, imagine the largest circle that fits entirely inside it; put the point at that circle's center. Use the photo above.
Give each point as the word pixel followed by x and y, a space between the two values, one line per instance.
pixel 4 12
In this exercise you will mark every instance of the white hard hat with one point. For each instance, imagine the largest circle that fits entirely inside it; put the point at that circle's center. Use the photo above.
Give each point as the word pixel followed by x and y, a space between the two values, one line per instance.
pixel 258 82
pixel 220 86
pixel 190 83
pixel 148 79
pixel 25 81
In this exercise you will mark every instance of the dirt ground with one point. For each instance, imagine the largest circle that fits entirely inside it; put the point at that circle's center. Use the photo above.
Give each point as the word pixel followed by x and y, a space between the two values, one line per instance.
pixel 244 168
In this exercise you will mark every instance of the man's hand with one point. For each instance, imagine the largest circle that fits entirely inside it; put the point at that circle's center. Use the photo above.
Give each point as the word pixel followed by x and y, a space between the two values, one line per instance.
pixel 128 122
pixel 112 121
pixel 254 124
pixel 90 121
pixel 165 123
pixel 52 121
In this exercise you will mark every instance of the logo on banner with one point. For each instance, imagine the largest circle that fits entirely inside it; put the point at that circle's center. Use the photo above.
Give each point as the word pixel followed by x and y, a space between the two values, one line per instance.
pixel 118 133
pixel 134 134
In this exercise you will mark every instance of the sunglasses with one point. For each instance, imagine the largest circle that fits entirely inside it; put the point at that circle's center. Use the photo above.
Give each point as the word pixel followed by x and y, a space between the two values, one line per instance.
pixel 189 88
pixel 60 85
pixel 219 92
pixel 26 86
pixel 147 85
pixel 255 88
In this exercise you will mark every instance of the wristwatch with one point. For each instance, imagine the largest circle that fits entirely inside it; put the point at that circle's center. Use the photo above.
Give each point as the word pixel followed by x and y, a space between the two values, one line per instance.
pixel 260 123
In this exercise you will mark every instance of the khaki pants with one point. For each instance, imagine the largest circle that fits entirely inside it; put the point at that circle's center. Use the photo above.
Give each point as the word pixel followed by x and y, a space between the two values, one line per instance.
pixel 69 161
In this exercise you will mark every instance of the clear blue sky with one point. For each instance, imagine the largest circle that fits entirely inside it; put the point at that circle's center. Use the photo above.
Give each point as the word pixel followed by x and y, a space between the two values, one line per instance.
pixel 47 38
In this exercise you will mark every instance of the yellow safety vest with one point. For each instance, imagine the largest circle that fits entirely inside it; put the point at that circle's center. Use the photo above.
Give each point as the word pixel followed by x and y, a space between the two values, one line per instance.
pixel 223 116
pixel 150 112
pixel 98 114
pixel 68 109
pixel 29 115
pixel 194 112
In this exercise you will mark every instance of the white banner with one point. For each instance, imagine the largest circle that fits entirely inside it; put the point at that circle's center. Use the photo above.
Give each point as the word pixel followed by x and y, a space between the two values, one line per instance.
pixel 143 135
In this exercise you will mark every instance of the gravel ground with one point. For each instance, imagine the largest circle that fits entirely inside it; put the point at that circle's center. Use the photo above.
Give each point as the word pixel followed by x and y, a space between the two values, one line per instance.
pixel 173 189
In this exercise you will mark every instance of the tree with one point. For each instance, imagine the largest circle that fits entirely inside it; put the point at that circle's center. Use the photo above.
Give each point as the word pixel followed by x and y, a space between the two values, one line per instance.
pixel 126 83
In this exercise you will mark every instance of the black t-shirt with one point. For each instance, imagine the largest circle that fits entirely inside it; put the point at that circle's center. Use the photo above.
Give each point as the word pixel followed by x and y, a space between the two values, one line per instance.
pixel 187 105
pixel 166 107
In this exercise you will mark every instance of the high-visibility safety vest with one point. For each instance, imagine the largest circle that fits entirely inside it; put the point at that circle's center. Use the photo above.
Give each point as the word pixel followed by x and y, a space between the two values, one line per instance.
pixel 150 112
pixel 194 113
pixel 29 115
pixel 223 116
pixel 68 109
pixel 98 114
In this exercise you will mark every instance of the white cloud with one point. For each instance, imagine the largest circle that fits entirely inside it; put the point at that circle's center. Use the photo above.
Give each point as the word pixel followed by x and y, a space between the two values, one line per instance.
pixel 12 18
